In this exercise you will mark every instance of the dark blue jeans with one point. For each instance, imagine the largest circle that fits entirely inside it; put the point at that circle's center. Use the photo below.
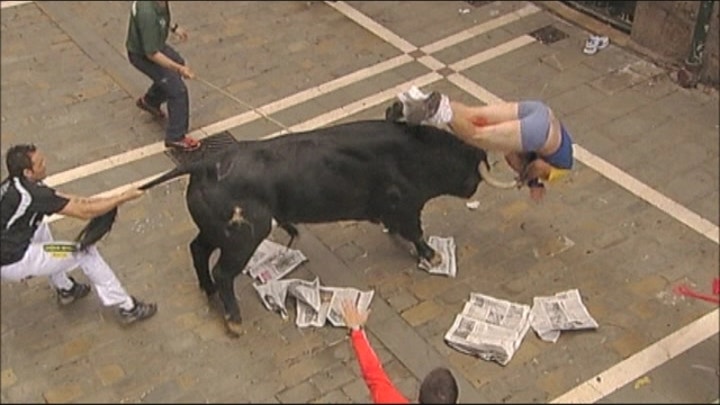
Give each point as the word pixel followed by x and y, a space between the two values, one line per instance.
pixel 168 86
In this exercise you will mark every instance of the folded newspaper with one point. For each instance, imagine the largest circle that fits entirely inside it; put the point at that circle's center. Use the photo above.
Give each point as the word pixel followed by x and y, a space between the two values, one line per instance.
pixel 562 311
pixel 489 328
pixel 273 261
pixel 331 299
pixel 316 304
pixel 445 247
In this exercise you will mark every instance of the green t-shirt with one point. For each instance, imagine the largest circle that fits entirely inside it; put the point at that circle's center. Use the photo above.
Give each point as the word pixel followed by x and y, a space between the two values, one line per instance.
pixel 148 27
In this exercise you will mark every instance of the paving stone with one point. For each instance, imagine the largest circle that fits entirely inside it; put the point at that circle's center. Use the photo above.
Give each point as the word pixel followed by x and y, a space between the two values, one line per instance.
pixel 333 397
pixel 357 391
pixel 8 378
pixel 301 393
pixel 110 373
pixel 421 313
pixel 333 378
pixel 401 299
pixel 63 394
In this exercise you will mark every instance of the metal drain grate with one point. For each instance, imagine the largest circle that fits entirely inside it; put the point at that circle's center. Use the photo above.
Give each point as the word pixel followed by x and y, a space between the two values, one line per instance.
pixel 548 34
pixel 210 146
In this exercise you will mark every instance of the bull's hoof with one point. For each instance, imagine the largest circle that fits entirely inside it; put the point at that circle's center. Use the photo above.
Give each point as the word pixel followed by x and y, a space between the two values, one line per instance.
pixel 234 327
pixel 434 261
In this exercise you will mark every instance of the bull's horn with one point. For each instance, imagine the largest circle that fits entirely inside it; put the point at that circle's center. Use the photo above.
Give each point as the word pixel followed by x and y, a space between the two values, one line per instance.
pixel 492 181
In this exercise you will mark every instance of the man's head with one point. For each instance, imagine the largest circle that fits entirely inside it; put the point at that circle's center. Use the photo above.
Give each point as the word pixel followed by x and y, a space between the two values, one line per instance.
pixel 438 387
pixel 25 160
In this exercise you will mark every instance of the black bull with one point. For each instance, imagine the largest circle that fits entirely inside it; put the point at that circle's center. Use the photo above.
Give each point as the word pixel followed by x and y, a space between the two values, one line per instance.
pixel 368 170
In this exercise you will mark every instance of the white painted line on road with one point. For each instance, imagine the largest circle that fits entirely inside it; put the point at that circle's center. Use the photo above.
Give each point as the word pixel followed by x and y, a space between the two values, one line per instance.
pixel 473 88
pixel 479 29
pixel 357 106
pixel 336 84
pixel 372 26
pixel 665 204
pixel 645 360
pixel 492 52
pixel 7 4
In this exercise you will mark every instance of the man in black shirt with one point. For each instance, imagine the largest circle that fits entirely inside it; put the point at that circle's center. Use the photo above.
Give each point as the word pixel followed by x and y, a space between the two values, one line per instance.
pixel 28 249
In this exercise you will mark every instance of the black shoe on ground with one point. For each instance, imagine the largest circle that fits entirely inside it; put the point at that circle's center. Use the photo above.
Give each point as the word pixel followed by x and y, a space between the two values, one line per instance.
pixel 139 312
pixel 77 291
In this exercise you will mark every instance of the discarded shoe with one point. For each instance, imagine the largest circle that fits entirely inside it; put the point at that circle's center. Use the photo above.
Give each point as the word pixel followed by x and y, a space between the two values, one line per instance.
pixel 595 43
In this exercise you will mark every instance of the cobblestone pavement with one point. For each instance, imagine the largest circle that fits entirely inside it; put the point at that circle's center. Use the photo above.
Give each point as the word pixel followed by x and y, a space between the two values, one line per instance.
pixel 638 216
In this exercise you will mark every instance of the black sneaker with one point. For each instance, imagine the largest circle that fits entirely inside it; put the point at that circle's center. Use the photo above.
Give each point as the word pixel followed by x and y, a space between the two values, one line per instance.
pixel 139 312
pixel 77 291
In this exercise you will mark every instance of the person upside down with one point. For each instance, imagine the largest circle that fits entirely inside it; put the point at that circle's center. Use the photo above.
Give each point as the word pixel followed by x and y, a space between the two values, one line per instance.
pixel 535 143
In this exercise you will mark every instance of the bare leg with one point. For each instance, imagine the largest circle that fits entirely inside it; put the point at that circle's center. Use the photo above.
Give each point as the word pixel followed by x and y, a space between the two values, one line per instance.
pixel 492 127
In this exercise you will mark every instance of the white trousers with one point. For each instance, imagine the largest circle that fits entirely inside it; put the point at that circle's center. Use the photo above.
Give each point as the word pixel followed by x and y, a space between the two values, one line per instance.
pixel 44 257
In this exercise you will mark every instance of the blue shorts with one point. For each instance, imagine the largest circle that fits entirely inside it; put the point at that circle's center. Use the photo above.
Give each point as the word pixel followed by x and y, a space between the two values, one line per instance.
pixel 534 124
pixel 562 158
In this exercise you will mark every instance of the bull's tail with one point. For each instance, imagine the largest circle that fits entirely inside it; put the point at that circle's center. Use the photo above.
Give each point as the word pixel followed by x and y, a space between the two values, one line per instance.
pixel 101 225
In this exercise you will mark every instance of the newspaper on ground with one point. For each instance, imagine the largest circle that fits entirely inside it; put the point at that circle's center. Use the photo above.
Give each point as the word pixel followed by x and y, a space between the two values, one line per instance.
pixel 489 328
pixel 331 299
pixel 316 304
pixel 361 299
pixel 273 261
pixel 562 311
pixel 273 294
pixel 445 247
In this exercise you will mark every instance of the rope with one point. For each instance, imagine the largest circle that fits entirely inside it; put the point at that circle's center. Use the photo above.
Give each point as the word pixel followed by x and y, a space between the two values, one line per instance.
pixel 243 103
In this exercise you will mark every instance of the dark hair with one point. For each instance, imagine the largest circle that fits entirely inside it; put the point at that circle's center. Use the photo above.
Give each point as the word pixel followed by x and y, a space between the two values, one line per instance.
pixel 438 387
pixel 18 159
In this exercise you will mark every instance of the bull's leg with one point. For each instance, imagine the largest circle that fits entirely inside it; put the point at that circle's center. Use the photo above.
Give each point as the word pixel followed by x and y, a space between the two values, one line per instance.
pixel 201 252
pixel 410 228
pixel 249 225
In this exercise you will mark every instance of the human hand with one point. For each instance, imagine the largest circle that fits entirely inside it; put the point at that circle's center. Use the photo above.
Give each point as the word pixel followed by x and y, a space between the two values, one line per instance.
pixel 353 317
pixel 186 72
pixel 180 34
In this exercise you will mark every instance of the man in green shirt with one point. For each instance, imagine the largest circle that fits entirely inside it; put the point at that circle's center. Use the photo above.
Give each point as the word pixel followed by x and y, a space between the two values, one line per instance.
pixel 148 51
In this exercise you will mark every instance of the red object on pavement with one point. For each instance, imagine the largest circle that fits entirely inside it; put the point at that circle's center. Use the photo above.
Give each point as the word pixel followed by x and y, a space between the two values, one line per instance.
pixel 683 289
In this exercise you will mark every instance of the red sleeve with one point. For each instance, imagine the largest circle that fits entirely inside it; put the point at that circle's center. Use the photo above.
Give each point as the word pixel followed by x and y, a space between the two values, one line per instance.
pixel 382 390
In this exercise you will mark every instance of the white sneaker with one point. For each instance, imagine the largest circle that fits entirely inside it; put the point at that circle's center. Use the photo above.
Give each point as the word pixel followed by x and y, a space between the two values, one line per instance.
pixel 595 43
pixel 601 41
